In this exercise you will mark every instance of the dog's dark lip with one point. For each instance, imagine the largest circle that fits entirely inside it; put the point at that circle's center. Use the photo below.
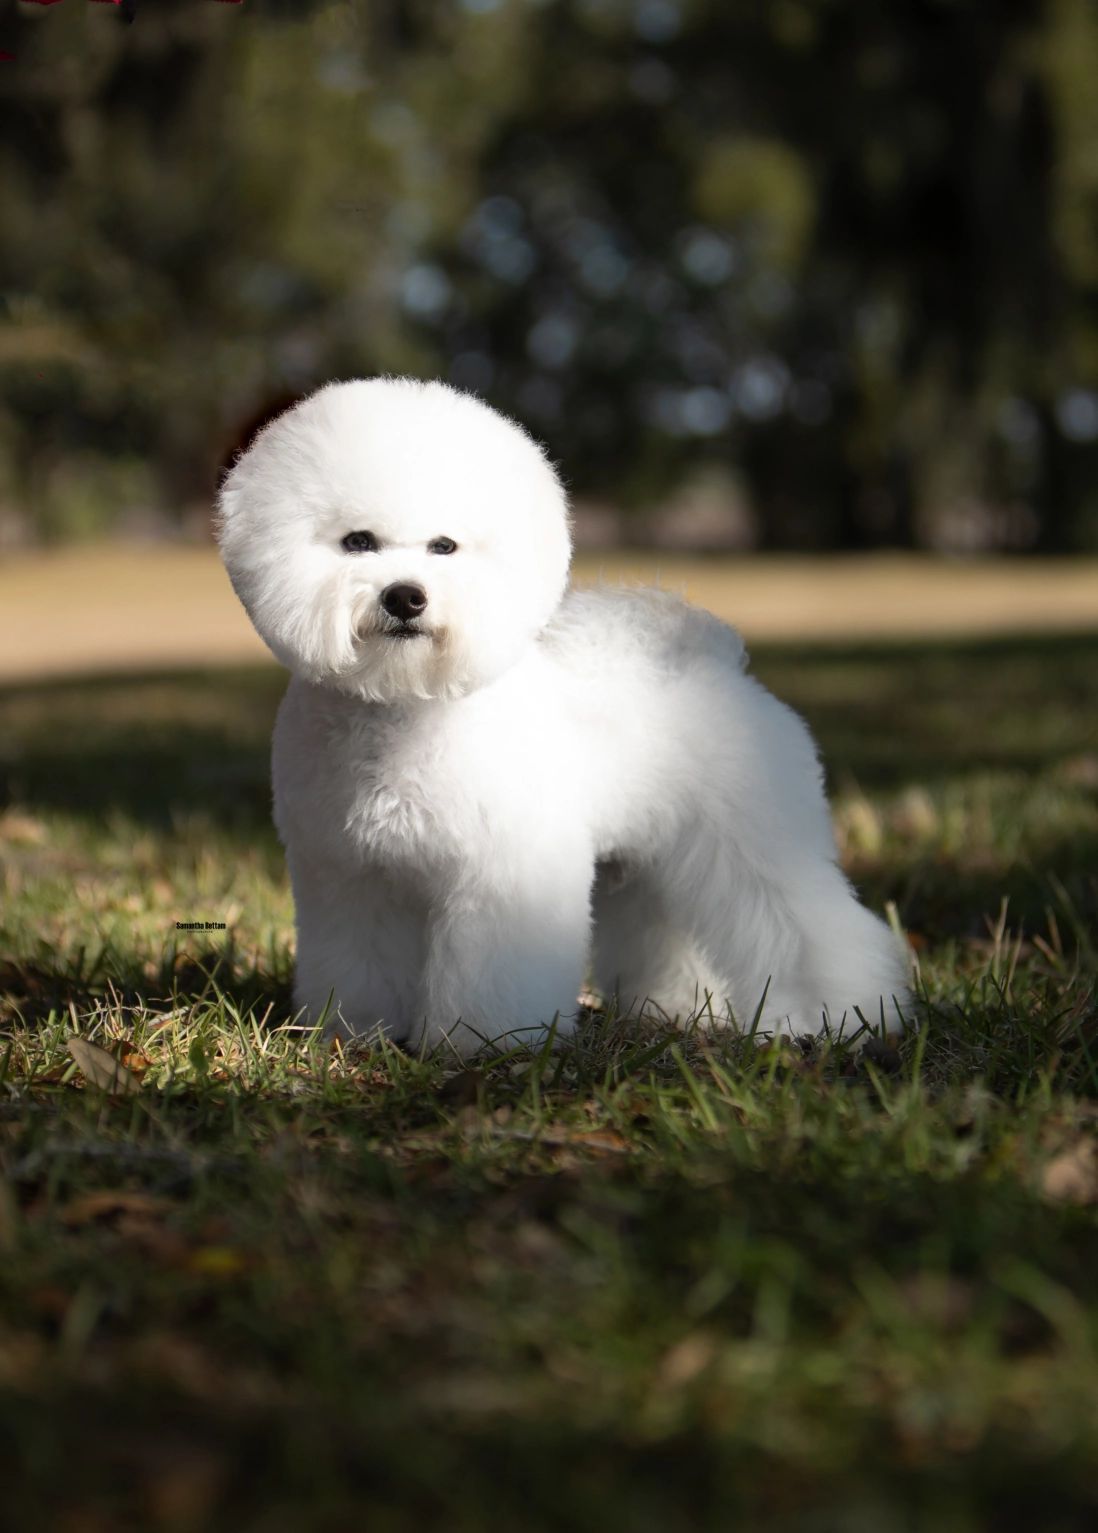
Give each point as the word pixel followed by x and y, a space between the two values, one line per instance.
pixel 393 631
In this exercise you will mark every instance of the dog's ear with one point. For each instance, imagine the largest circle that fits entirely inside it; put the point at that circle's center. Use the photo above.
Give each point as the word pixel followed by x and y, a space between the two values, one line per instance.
pixel 247 431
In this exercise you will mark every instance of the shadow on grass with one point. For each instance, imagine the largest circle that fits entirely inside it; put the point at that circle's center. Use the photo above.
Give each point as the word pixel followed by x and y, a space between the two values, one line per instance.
pixel 183 978
pixel 483 1333
pixel 164 749
pixel 157 744
pixel 152 747
pixel 471 1387
pixel 891 715
pixel 999 734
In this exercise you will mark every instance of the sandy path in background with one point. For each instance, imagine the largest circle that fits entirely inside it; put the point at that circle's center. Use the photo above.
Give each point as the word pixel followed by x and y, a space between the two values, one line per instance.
pixel 108 608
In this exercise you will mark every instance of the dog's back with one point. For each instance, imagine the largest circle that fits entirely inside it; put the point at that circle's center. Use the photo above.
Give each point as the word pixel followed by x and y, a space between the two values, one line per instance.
pixel 606 623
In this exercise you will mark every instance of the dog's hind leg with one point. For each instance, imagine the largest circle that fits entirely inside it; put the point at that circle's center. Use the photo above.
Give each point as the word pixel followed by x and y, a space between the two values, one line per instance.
pixel 802 955
pixel 751 873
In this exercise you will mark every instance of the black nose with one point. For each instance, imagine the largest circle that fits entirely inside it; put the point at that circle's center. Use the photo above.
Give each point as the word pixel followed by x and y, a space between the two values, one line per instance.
pixel 404 601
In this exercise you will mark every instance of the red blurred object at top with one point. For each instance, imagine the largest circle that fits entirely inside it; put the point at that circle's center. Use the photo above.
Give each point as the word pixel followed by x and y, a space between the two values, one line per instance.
pixel 102 2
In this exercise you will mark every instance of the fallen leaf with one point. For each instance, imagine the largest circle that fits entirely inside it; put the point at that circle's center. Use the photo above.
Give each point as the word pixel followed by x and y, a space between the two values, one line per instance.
pixel 53 1076
pixel 101 1068
pixel 137 1218
pixel 606 1140
pixel 21 829
pixel 108 1207
pixel 130 1056
pixel 1072 1176
pixel 217 1261
pixel 686 1359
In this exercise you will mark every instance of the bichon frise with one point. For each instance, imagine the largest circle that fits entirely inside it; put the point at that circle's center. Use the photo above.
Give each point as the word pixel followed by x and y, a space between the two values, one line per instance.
pixel 486 783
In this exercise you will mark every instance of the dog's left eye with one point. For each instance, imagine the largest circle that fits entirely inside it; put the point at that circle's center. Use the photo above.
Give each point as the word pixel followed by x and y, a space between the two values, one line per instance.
pixel 359 543
pixel 441 546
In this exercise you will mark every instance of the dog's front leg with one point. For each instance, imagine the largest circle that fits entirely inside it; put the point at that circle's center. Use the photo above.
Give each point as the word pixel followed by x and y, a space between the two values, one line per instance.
pixel 360 949
pixel 506 950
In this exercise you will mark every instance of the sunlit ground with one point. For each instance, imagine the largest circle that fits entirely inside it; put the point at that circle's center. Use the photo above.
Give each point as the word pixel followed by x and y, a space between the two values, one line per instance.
pixel 103 608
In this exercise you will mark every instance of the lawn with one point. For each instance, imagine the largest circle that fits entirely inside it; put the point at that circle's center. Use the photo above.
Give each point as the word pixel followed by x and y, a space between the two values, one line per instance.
pixel 650 1281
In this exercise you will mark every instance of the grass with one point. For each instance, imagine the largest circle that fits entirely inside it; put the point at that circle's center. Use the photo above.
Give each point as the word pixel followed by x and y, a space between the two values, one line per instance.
pixel 651 1281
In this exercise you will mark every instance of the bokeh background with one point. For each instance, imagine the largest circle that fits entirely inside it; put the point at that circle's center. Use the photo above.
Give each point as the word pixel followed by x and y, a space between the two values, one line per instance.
pixel 806 274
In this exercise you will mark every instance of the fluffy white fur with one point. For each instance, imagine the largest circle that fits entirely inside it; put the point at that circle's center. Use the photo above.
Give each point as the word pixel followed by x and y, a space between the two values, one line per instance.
pixel 531 781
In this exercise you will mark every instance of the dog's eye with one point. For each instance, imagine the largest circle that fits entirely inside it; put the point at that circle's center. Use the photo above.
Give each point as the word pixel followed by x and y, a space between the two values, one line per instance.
pixel 441 546
pixel 359 543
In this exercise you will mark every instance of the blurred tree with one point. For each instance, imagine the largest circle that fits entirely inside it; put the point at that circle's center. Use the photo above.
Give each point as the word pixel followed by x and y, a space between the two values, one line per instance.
pixel 818 239
pixel 845 252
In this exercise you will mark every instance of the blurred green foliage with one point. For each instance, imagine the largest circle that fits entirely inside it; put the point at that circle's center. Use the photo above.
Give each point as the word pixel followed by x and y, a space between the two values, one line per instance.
pixel 845 251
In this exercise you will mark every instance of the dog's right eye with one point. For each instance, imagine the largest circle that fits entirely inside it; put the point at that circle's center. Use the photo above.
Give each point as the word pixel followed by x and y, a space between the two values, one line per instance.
pixel 359 543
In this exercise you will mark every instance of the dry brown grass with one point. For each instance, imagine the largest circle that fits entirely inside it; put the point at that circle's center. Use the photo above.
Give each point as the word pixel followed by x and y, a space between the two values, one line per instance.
pixel 109 608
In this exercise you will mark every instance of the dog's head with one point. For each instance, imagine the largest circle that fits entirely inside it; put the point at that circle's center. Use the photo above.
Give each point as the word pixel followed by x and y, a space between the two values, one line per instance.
pixel 395 539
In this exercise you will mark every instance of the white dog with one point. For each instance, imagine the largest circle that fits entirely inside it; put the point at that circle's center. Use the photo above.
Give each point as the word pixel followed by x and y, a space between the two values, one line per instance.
pixel 486 783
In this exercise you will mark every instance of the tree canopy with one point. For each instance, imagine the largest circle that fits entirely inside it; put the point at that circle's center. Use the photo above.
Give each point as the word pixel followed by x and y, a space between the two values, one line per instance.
pixel 841 256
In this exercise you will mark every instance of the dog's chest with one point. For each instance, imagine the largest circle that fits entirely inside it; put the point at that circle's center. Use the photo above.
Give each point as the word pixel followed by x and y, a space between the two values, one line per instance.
pixel 392 803
pixel 420 789
pixel 411 798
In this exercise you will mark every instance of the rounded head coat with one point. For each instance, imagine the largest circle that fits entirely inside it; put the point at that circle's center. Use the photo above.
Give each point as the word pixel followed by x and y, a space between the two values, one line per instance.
pixel 395 539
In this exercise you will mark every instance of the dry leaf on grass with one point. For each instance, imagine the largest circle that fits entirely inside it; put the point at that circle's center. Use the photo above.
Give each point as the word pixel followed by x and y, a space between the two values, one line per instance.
pixel 218 1261
pixel 135 1217
pixel 54 1076
pixel 1072 1176
pixel 688 1358
pixel 144 1220
pixel 605 1141
pixel 21 829
pixel 109 1207
pixel 100 1068
pixel 128 1054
